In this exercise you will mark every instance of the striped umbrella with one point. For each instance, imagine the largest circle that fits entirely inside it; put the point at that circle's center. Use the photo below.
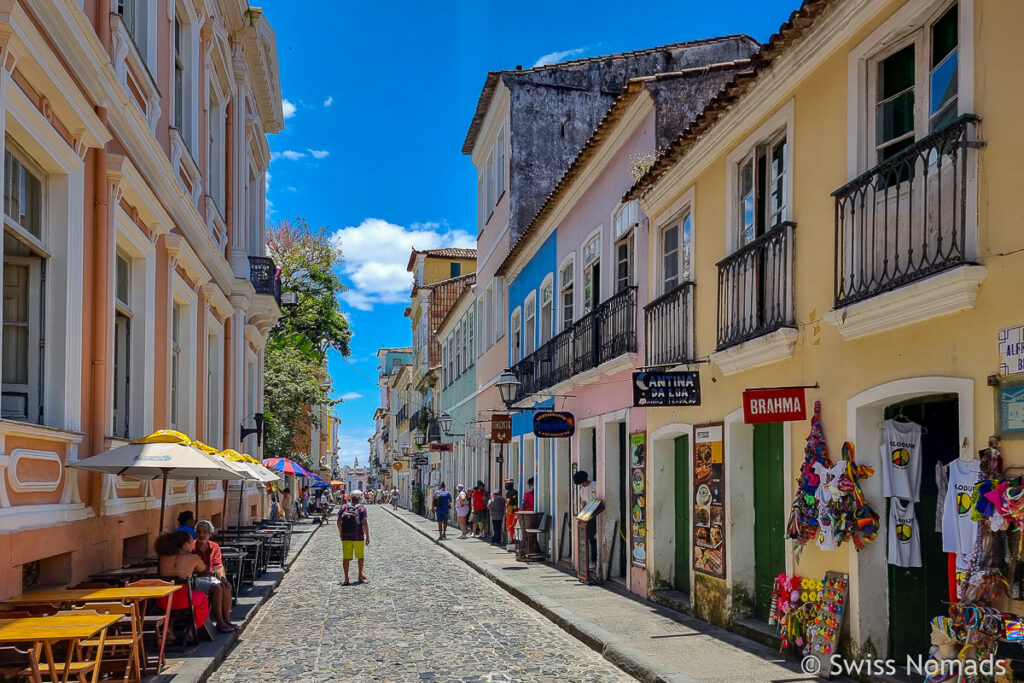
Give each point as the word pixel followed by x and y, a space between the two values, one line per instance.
pixel 286 466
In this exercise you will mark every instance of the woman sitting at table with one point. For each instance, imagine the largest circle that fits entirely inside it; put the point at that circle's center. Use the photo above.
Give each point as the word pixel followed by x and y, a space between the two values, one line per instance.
pixel 174 551
pixel 216 585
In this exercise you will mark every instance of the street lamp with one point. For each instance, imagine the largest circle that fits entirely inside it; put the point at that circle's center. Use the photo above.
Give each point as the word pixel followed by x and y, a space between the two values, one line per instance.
pixel 508 387
pixel 446 422
pixel 419 437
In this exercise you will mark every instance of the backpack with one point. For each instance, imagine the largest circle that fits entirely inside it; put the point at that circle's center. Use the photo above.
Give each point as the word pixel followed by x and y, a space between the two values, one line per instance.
pixel 438 500
pixel 350 522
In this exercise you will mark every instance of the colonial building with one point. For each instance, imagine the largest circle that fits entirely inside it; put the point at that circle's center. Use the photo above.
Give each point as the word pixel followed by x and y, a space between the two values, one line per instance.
pixel 137 295
pixel 384 444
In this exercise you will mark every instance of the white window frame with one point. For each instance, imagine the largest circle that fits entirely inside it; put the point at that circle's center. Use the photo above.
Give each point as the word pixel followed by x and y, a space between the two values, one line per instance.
pixel 131 241
pixel 499 304
pixel 188 301
pixel 472 335
pixel 547 286
pixel 142 30
pixel 189 21
pixel 596 298
pixel 679 212
pixel 215 130
pixel 779 123
pixel 499 161
pixel 25 126
pixel 458 350
pixel 214 388
pixel 490 314
pixel 490 187
pixel 895 32
pixel 563 289
pixel 515 336
pixel 530 320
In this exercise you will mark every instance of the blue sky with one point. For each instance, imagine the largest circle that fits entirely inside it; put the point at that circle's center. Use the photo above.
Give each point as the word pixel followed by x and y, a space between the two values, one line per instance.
pixel 378 98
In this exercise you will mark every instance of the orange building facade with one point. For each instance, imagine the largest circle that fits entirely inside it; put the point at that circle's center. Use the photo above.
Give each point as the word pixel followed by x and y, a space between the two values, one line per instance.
pixel 136 291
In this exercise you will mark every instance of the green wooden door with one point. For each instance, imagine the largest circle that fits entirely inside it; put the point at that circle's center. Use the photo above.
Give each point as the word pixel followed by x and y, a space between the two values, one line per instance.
pixel 769 511
pixel 682 464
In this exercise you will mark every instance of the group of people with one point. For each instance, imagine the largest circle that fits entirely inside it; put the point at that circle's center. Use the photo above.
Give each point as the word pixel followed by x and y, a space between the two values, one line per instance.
pixel 189 550
pixel 283 508
pixel 474 508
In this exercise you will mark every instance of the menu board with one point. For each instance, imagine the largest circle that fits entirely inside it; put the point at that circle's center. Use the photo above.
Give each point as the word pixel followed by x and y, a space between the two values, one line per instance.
pixel 638 499
pixel 709 500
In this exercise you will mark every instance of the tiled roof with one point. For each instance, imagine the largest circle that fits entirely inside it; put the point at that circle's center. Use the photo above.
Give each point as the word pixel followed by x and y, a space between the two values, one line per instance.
pixel 792 30
pixel 491 82
pixel 439 283
pixel 630 92
pixel 444 252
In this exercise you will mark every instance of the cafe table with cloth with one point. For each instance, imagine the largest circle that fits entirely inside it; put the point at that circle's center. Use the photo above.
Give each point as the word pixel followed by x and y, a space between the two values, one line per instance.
pixel 43 632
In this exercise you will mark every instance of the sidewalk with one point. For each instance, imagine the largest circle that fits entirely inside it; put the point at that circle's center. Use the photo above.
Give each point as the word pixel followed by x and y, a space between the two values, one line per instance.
pixel 649 642
pixel 196 664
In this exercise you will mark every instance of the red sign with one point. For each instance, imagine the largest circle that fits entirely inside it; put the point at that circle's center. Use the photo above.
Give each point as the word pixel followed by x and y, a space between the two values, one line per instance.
pixel 501 428
pixel 774 405
pixel 440 448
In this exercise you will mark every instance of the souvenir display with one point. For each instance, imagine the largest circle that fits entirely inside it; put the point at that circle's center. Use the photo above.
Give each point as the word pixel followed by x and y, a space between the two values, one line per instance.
pixel 828 621
pixel 901 459
pixel 830 508
pixel 809 614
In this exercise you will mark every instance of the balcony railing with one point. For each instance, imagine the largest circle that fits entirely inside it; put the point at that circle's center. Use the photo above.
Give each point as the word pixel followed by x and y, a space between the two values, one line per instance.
pixel 263 276
pixel 603 334
pixel 905 219
pixel 669 324
pixel 403 414
pixel 755 287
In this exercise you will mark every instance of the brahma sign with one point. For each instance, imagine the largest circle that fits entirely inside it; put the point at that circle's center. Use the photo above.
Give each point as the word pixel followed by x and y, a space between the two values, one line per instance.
pixel 774 405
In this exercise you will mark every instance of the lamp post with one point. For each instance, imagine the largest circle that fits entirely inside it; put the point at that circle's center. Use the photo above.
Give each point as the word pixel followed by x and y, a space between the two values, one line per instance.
pixel 508 387
pixel 420 439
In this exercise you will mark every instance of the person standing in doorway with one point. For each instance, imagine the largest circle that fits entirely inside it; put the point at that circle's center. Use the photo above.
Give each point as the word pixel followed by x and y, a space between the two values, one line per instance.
pixel 586 491
pixel 462 507
pixel 479 499
pixel 441 504
pixel 496 510
pixel 527 505
pixel 355 533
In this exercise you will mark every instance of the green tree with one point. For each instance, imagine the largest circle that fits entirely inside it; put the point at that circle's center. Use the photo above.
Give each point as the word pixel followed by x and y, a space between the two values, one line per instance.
pixel 295 360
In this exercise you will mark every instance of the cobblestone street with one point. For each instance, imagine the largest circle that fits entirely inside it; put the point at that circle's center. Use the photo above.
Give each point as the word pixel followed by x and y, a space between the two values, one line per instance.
pixel 423 615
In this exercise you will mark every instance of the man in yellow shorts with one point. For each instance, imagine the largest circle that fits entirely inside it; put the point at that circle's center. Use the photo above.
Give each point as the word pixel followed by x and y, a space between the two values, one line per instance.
pixel 355 533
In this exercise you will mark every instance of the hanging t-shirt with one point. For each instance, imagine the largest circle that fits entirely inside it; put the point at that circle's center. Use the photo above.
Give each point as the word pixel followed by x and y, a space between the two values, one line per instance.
pixel 958 531
pixel 904 539
pixel 901 459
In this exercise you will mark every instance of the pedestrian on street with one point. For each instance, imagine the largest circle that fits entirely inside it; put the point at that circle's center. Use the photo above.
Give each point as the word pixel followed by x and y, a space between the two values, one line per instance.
pixel 511 507
pixel 587 491
pixel 441 504
pixel 305 501
pixel 462 507
pixel 286 504
pixel 479 499
pixel 394 498
pixel 355 533
pixel 496 508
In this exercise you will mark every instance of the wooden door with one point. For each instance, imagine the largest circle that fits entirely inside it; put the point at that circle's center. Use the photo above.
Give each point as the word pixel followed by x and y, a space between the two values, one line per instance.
pixel 769 510
pixel 681 580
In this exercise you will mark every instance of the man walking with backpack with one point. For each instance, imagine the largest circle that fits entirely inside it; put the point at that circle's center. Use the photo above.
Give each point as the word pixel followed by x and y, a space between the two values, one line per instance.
pixel 441 504
pixel 355 533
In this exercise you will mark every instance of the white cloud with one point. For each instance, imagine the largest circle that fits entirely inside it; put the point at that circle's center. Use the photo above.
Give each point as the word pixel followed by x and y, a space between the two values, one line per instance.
pixel 377 274
pixel 318 153
pixel 351 396
pixel 288 108
pixel 554 57
pixel 329 101
pixel 289 154
pixel 352 444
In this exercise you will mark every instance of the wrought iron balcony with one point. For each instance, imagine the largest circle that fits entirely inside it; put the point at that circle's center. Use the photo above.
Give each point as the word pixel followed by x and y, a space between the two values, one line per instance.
pixel 263 276
pixel 602 335
pixel 669 325
pixel 907 218
pixel 755 287
pixel 403 414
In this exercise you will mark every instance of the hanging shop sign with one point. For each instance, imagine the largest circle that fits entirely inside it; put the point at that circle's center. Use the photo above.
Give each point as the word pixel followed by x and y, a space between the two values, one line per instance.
pixel 638 498
pixel 501 428
pixel 554 425
pixel 1011 407
pixel 709 500
pixel 1011 351
pixel 397 466
pixel 441 448
pixel 774 405
pixel 655 388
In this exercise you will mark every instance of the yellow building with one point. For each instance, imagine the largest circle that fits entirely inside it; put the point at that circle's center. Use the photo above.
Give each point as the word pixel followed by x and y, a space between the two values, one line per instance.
pixel 852 224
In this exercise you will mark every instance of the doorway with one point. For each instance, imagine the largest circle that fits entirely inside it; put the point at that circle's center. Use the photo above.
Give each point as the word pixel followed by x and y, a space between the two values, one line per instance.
pixel 561 525
pixel 916 594
pixel 769 509
pixel 681 579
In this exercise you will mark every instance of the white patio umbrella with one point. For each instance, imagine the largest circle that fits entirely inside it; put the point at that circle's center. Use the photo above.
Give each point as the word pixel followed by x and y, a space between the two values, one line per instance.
pixel 160 460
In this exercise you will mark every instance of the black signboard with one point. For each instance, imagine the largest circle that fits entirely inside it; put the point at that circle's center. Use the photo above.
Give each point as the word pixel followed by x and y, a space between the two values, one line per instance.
pixel 554 425
pixel 655 388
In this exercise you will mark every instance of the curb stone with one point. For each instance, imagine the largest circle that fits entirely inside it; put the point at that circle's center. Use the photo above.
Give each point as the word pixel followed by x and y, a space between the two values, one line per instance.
pixel 639 666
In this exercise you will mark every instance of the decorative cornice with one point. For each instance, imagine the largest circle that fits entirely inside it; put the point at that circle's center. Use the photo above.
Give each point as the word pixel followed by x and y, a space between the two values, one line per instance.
pixel 769 348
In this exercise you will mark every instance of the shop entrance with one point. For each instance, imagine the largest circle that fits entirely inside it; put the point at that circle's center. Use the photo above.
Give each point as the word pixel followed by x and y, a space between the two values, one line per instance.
pixel 769 510
pixel 916 594
pixel 682 481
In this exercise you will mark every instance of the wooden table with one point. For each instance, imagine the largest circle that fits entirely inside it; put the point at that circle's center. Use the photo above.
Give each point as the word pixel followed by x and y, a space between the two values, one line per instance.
pixel 138 595
pixel 43 632
pixel 128 573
